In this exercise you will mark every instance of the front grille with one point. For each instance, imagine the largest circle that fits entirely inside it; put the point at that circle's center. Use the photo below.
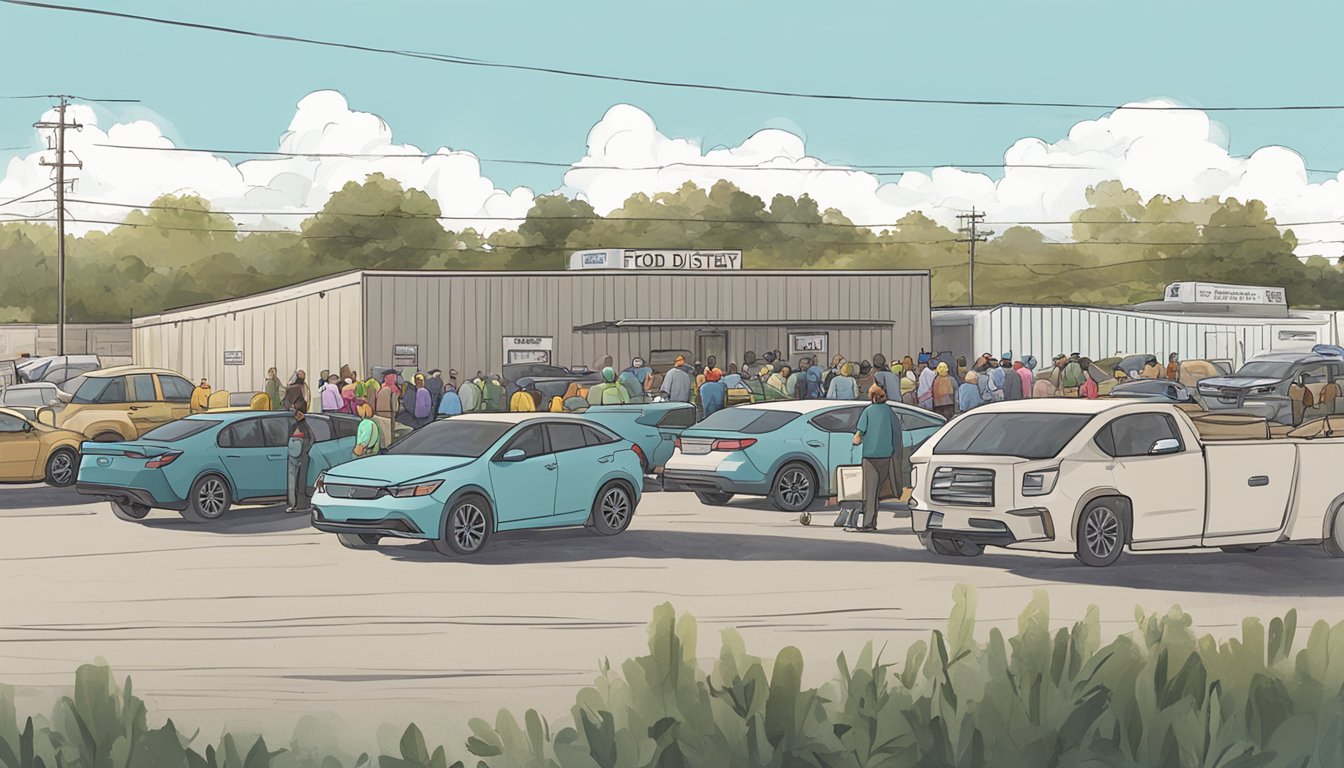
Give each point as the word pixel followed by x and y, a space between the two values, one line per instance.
pixel 338 491
pixel 963 487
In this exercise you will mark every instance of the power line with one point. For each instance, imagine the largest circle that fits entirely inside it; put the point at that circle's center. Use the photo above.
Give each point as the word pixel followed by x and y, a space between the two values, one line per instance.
pixel 30 194
pixel 71 97
pixel 469 62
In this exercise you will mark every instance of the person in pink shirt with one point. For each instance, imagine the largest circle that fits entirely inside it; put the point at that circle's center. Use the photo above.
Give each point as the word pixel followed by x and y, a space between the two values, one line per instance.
pixel 1089 390
pixel 1028 381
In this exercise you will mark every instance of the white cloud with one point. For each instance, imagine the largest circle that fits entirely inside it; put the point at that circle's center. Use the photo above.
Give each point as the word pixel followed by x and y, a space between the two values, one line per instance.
pixel 1174 153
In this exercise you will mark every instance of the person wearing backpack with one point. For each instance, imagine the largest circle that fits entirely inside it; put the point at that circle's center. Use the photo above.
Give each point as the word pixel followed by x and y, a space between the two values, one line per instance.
pixel 424 402
pixel 368 437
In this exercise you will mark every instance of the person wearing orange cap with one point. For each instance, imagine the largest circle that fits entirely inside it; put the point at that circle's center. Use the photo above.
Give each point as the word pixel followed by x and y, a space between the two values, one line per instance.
pixel 677 384
pixel 713 393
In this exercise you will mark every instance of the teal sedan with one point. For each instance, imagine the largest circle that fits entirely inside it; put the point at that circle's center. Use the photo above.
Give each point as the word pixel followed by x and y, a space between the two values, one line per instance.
pixel 203 464
pixel 786 450
pixel 458 481
pixel 654 427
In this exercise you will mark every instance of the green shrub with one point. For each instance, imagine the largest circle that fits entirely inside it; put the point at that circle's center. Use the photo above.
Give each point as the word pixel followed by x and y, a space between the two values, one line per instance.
pixel 1157 697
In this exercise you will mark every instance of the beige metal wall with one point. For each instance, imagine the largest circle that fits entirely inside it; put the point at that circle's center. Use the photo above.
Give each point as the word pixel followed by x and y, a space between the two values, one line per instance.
pixel 313 329
pixel 459 320
pixel 109 340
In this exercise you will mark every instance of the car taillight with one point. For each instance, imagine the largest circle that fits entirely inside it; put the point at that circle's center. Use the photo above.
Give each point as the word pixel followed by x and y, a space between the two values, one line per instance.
pixel 733 445
pixel 639 452
pixel 162 461
pixel 677 443
pixel 133 455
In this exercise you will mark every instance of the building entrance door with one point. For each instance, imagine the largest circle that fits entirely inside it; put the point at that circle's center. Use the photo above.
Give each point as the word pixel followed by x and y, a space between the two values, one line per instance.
pixel 714 345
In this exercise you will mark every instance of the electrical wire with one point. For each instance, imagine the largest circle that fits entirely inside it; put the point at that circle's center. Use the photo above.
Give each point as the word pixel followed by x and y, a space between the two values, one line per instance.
pixel 470 62
pixel 30 194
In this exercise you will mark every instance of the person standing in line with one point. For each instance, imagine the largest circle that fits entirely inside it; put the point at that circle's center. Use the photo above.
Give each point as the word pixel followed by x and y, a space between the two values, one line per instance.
pixel 968 394
pixel 632 383
pixel 424 402
pixel 944 392
pixel 521 401
pixel 470 395
pixel 368 437
pixel 732 379
pixel 1173 367
pixel 1090 389
pixel 924 389
pixel 843 387
pixel 909 384
pixel 608 392
pixel 1027 381
pixel 777 384
pixel 450 404
pixel 435 386
pixel 878 432
pixel 294 393
pixel 889 380
pixel 493 392
pixel 300 446
pixel 796 384
pixel 332 402
pixel 989 392
pixel 865 377
pixel 272 388
pixel 1073 377
pixel 713 393
pixel 200 397
pixel 677 382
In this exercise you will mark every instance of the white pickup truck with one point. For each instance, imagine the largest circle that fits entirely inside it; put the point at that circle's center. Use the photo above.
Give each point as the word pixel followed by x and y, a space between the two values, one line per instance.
pixel 1088 477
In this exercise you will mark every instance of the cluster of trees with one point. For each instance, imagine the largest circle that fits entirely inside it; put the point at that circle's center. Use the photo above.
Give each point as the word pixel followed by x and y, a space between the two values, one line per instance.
pixel 178 251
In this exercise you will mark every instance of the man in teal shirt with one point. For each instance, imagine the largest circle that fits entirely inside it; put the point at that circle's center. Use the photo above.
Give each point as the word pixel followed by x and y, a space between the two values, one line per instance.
pixel 879 432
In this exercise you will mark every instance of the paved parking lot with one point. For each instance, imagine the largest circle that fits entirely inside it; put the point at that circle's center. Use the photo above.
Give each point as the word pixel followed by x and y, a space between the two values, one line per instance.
pixel 261 618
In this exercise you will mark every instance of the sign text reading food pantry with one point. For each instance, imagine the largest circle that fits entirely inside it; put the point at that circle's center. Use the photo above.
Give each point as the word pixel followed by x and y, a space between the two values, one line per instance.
pixel 638 259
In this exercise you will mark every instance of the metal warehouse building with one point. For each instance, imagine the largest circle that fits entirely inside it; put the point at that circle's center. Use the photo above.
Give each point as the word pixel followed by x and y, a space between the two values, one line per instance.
pixel 1197 321
pixel 476 320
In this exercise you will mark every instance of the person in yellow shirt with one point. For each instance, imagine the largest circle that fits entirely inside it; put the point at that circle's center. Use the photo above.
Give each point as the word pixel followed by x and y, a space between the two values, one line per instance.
pixel 522 402
pixel 200 397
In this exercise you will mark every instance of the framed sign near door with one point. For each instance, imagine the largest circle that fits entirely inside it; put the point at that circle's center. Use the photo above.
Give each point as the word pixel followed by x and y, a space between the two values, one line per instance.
pixel 808 344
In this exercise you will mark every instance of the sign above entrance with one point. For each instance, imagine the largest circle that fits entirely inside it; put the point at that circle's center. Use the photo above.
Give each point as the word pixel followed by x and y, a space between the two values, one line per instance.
pixel 520 350
pixel 637 259
pixel 1213 293
pixel 405 355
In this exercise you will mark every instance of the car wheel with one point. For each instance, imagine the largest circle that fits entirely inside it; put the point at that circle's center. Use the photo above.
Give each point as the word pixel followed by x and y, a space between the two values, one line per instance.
pixel 62 467
pixel 208 501
pixel 129 511
pixel 467 527
pixel 1101 534
pixel 713 498
pixel 794 488
pixel 613 509
pixel 359 540
pixel 1333 546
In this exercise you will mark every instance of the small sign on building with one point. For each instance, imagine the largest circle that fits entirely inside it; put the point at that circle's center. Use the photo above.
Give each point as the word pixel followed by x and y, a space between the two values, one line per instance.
pixel 405 355
pixel 233 357
pixel 687 260
pixel 520 350
pixel 811 344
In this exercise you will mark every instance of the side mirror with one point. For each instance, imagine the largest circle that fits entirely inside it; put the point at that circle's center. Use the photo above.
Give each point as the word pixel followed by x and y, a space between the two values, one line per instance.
pixel 516 454
pixel 27 427
pixel 1165 445
pixel 55 402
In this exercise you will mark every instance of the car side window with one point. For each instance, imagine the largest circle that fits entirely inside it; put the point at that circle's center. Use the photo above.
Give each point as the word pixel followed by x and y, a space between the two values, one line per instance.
pixel 142 388
pixel 276 430
pixel 678 418
pixel 176 389
pixel 55 374
pixel 566 437
pixel 912 421
pixel 113 392
pixel 1134 435
pixel 344 426
pixel 11 423
pixel 596 437
pixel 242 434
pixel 531 441
pixel 839 420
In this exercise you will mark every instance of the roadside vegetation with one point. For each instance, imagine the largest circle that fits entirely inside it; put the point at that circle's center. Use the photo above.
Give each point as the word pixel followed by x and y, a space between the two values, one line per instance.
pixel 1156 697
pixel 1126 248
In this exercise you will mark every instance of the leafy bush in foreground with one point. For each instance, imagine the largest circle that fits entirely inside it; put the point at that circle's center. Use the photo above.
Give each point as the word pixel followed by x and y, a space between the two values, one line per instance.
pixel 1157 697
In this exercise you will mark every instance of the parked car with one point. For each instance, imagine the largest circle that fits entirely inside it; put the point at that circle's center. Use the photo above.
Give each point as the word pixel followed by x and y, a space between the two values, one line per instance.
pixel 1267 385
pixel 31 396
pixel 202 465
pixel 458 481
pixel 787 450
pixel 32 450
pixel 654 427
pixel 57 369
pixel 125 402
pixel 1090 477
pixel 1162 390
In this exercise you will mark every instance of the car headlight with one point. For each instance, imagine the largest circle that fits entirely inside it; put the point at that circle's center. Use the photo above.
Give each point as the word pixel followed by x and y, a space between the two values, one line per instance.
pixel 1264 390
pixel 1039 483
pixel 421 489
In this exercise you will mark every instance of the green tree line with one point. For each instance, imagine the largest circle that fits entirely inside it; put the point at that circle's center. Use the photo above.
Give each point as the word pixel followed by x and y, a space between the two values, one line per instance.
pixel 178 251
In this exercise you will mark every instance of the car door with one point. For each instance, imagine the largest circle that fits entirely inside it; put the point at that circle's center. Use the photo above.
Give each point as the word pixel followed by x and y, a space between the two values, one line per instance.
pixel 19 448
pixel 247 458
pixel 1166 489
pixel 276 430
pixel 177 394
pixel 834 429
pixel 327 450
pixel 582 467
pixel 147 410
pixel 670 427
pixel 524 489
pixel 916 428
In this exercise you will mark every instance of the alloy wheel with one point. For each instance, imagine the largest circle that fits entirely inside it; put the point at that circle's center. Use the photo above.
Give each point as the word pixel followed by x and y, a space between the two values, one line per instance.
pixel 794 487
pixel 62 469
pixel 1101 532
pixel 615 508
pixel 211 497
pixel 468 527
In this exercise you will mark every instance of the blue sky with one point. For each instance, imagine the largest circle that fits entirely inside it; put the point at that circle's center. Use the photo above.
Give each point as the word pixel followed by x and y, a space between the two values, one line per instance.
pixel 208 89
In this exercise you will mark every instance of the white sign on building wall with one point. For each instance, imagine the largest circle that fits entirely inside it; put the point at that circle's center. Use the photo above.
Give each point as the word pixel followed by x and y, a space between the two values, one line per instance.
pixel 687 260
pixel 1213 293
pixel 528 349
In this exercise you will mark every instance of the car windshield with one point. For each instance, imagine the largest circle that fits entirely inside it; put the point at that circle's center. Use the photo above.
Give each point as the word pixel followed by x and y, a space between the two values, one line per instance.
pixel 750 421
pixel 177 430
pixel 451 437
pixel 91 389
pixel 1024 435
pixel 1266 369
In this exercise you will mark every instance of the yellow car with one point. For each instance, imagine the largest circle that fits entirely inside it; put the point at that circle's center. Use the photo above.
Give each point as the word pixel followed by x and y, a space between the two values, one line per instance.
pixel 125 402
pixel 32 450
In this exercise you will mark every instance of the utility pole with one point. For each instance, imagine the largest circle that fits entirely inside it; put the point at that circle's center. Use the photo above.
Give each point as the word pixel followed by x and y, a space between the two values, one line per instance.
pixel 970 228
pixel 60 165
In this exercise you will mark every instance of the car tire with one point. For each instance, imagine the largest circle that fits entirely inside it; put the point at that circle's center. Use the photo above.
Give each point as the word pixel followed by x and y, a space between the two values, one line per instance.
pixel 794 488
pixel 467 527
pixel 613 509
pixel 713 498
pixel 1333 545
pixel 1102 533
pixel 208 500
pixel 129 511
pixel 359 540
pixel 62 468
